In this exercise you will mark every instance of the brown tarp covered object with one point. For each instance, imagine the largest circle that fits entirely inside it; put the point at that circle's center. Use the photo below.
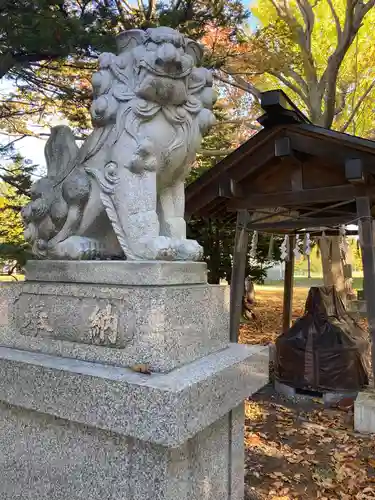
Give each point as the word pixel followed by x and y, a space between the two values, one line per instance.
pixel 325 349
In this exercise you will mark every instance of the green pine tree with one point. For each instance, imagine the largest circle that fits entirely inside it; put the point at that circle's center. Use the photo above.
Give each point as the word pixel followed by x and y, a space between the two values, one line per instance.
pixel 14 187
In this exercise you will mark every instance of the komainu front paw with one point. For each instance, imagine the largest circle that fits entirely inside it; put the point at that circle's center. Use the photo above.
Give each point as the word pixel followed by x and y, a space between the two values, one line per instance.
pixel 77 248
pixel 159 248
pixel 189 250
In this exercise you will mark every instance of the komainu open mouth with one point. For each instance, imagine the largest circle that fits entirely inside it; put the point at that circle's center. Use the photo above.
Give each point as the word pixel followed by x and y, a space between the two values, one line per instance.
pixel 157 70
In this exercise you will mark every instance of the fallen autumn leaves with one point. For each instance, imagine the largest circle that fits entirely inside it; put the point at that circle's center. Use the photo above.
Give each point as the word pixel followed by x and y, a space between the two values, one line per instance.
pixel 300 450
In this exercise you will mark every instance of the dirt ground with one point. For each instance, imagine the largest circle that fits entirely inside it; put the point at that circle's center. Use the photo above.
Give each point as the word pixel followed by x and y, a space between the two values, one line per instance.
pixel 300 450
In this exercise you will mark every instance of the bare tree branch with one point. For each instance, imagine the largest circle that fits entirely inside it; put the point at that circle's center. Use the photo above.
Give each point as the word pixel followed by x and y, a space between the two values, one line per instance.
pixel 141 7
pixel 127 5
pixel 336 19
pixel 356 10
pixel 357 106
pixel 342 101
pixel 303 34
pixel 291 86
pixel 280 13
pixel 355 83
pixel 297 78
pixel 361 9
pixel 309 20
pixel 11 143
pixel 121 11
pixel 246 121
pixel 151 9
pixel 215 152
pixel 242 73
pixel 122 7
pixel 239 83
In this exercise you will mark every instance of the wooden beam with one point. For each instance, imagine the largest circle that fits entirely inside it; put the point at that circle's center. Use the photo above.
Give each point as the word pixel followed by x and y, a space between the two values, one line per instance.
pixel 331 232
pixel 237 283
pixel 336 150
pixel 296 178
pixel 328 209
pixel 306 196
pixel 288 286
pixel 270 215
pixel 302 223
pixel 230 189
pixel 366 239
pixel 354 171
pixel 283 147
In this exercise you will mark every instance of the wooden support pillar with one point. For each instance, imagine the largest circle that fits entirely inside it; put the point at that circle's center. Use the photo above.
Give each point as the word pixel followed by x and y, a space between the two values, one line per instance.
pixel 366 239
pixel 238 273
pixel 237 287
pixel 288 286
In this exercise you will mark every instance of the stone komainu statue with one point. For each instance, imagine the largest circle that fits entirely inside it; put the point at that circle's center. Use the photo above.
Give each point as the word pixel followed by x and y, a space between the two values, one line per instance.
pixel 121 195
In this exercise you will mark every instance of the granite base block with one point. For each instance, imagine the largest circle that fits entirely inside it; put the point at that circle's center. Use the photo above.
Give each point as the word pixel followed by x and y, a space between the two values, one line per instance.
pixel 163 326
pixel 46 458
pixel 165 409
pixel 110 272
pixel 71 429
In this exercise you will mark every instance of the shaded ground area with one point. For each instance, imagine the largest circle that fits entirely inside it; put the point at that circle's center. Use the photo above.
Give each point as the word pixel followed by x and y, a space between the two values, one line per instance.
pixel 300 281
pixel 269 310
pixel 305 451
pixel 300 449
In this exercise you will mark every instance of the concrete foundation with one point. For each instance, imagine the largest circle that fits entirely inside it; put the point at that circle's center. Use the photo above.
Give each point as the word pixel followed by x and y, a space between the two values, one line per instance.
pixel 364 412
pixel 328 397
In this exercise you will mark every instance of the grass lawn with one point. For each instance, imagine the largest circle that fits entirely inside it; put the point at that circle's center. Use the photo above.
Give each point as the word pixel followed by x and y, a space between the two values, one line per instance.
pixel 14 277
pixel 308 282
pixel 300 450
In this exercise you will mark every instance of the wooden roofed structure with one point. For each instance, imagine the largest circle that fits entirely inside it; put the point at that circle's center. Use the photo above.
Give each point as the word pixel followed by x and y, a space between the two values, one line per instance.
pixel 290 177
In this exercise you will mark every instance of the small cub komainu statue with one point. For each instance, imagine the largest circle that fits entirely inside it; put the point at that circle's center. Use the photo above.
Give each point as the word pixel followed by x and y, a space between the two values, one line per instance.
pixel 121 195
pixel 248 302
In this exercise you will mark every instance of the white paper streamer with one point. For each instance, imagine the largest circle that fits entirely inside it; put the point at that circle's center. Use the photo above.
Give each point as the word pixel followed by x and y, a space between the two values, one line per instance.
pixel 254 245
pixel 307 244
pixel 297 253
pixel 344 245
pixel 285 248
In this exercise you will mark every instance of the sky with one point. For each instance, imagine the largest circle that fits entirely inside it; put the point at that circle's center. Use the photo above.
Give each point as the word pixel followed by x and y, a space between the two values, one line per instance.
pixel 33 148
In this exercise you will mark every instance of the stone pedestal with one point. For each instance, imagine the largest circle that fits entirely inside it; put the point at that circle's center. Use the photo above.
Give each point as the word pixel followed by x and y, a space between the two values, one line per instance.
pixel 77 422
pixel 364 412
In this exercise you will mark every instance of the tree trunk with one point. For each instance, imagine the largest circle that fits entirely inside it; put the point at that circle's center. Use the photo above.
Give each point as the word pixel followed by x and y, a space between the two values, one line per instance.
pixel 325 253
pixel 348 261
pixel 332 264
pixel 338 268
